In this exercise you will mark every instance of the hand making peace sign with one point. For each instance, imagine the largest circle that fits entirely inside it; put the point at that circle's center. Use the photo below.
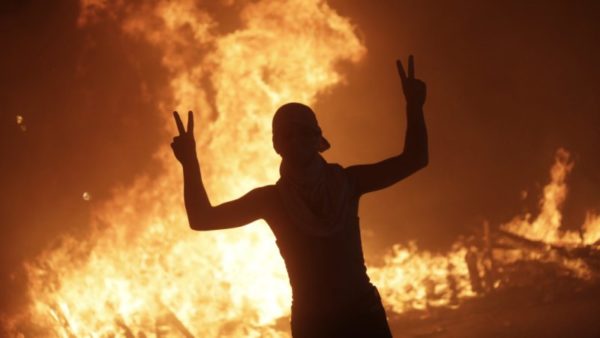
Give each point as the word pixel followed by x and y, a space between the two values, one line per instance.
pixel 184 145
pixel 414 89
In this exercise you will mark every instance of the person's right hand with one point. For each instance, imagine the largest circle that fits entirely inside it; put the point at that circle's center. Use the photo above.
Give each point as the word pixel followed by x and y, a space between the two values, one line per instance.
pixel 184 145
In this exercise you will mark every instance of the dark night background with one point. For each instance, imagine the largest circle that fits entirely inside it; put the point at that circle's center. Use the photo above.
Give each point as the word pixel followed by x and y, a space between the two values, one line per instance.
pixel 508 84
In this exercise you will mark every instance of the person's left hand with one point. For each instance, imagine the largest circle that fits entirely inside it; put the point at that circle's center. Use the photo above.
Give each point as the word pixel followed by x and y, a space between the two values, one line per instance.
pixel 414 89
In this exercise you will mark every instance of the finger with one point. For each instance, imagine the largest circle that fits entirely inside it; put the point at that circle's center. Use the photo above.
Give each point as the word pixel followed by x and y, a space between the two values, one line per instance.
pixel 401 71
pixel 190 127
pixel 411 67
pixel 180 127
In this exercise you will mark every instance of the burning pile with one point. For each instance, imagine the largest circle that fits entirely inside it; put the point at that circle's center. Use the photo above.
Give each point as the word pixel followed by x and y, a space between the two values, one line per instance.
pixel 495 259
pixel 142 272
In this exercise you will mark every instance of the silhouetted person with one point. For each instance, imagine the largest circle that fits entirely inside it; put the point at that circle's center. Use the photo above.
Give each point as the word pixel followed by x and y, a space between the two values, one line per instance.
pixel 313 212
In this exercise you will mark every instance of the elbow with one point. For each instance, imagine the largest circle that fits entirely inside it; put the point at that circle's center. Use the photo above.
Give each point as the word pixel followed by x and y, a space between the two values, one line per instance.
pixel 419 161
pixel 200 226
pixel 200 218
pixel 198 223
pixel 195 225
pixel 423 161
pixel 420 164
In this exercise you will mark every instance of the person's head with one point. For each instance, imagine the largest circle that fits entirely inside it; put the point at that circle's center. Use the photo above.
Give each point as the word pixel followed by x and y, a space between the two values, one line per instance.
pixel 296 134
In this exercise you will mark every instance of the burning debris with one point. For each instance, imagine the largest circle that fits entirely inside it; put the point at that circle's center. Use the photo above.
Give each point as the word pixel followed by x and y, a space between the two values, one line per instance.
pixel 487 271
pixel 494 259
pixel 146 275
pixel 498 268
pixel 140 258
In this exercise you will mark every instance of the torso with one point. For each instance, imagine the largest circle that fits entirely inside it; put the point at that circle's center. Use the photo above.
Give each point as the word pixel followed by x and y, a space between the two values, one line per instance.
pixel 327 274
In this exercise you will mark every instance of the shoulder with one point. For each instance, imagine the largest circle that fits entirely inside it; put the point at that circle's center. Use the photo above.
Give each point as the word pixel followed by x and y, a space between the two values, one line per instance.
pixel 265 189
pixel 266 200
pixel 264 193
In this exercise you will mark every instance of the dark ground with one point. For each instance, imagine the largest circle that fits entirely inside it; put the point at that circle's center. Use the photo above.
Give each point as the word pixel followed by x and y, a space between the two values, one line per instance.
pixel 568 310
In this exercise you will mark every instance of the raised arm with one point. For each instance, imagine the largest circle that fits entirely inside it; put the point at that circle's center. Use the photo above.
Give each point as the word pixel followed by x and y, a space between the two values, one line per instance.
pixel 201 214
pixel 415 156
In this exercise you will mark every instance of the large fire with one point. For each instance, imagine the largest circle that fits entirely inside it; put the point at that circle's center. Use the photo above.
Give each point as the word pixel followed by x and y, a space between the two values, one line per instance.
pixel 412 279
pixel 142 272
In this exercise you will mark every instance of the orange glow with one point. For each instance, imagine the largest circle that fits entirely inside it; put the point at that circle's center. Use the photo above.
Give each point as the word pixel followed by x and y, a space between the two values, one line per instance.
pixel 413 279
pixel 146 271
pixel 142 270
pixel 546 226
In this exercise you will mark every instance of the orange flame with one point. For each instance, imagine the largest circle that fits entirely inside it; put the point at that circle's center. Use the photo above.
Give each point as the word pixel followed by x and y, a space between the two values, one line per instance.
pixel 147 272
pixel 142 271
pixel 546 226
pixel 413 279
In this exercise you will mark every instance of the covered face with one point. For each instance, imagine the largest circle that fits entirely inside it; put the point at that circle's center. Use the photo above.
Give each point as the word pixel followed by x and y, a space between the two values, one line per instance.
pixel 296 133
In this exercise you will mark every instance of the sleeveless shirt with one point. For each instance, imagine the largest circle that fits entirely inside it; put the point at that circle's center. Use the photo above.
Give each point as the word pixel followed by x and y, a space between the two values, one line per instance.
pixel 327 273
